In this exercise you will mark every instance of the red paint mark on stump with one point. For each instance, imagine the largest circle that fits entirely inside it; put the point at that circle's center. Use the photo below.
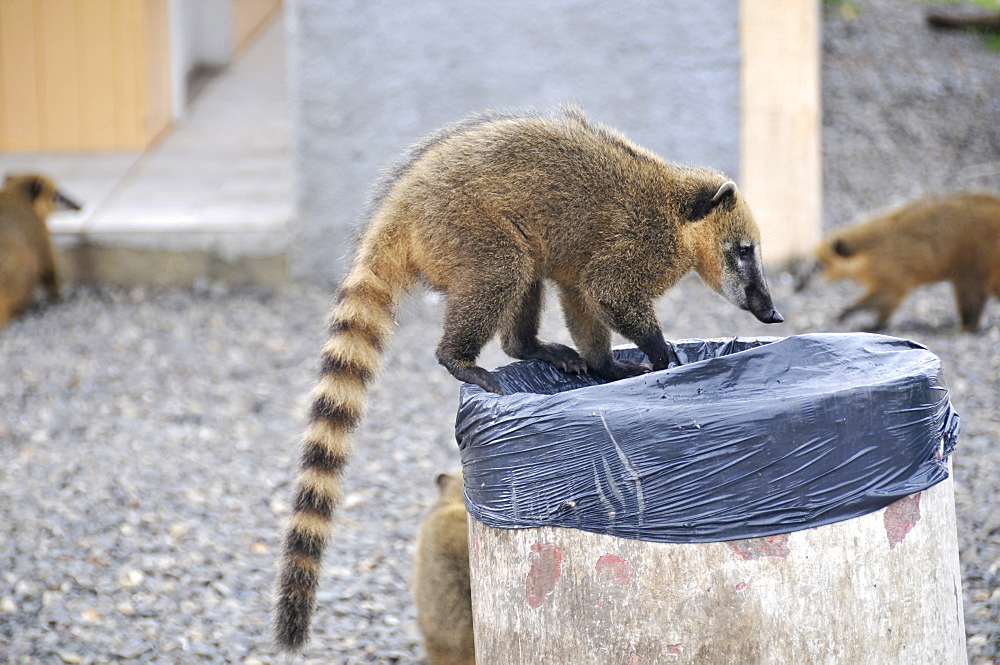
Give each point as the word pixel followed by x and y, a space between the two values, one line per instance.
pixel 741 586
pixel 617 568
pixel 758 548
pixel 546 569
pixel 900 517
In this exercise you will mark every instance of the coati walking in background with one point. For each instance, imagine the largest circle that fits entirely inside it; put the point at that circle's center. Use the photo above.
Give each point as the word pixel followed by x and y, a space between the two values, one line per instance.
pixel 484 211
pixel 26 257
pixel 441 585
pixel 952 238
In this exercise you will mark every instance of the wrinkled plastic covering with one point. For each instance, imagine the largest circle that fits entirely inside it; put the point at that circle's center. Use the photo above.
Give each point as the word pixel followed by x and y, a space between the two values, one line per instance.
pixel 748 437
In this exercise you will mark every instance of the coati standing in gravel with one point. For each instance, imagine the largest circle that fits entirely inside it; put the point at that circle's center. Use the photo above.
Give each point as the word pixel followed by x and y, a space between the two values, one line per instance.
pixel 26 257
pixel 952 238
pixel 441 585
pixel 484 211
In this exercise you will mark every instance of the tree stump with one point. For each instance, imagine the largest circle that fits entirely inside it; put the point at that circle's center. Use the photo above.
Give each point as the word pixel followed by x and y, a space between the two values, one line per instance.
pixel 882 588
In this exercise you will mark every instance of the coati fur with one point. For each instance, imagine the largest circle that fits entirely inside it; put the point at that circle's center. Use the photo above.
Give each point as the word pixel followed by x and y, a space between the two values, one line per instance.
pixel 983 21
pixel 26 256
pixel 954 238
pixel 484 211
pixel 441 585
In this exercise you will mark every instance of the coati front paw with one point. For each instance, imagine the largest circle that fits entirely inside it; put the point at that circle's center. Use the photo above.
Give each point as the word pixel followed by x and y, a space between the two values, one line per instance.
pixel 561 357
pixel 622 369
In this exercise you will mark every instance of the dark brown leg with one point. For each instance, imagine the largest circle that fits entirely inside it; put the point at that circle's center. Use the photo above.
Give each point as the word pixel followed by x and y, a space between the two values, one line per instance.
pixel 519 337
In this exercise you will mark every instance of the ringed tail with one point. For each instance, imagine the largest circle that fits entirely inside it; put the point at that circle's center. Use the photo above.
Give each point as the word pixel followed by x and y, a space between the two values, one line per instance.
pixel 360 324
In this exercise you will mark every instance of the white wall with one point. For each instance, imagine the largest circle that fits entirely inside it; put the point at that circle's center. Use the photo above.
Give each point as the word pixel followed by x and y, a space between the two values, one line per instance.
pixel 200 33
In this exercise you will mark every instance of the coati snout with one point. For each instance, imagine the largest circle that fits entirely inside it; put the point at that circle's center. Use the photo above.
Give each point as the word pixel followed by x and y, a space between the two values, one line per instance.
pixel 488 212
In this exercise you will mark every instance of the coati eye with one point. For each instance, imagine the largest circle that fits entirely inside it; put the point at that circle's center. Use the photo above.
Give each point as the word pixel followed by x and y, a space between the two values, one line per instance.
pixel 840 248
pixel 745 251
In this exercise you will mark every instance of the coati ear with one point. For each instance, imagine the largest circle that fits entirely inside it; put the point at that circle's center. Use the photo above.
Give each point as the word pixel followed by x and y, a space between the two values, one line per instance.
pixel 36 187
pixel 706 200
pixel 442 480
pixel 728 189
pixel 840 248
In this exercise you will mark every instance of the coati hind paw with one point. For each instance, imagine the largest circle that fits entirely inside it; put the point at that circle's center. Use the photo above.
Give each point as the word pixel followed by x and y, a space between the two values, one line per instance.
pixel 482 378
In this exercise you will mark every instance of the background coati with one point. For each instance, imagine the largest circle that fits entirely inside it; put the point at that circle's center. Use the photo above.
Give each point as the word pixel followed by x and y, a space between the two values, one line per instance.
pixel 952 238
pixel 26 257
pixel 484 211
pixel 441 586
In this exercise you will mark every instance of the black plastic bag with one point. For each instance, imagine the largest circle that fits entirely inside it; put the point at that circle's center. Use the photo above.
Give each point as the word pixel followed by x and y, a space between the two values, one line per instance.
pixel 748 437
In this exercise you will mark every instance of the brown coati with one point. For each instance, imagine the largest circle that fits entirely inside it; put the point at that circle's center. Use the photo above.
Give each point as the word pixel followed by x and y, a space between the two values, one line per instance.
pixel 441 586
pixel 26 257
pixel 953 238
pixel 987 21
pixel 484 211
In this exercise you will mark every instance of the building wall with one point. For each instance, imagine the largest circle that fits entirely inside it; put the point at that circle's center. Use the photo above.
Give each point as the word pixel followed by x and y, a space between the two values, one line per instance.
pixel 368 77
pixel 249 16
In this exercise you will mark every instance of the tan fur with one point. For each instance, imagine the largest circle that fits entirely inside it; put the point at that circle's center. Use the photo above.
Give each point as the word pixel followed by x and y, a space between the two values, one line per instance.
pixel 952 238
pixel 485 212
pixel 441 586
pixel 26 257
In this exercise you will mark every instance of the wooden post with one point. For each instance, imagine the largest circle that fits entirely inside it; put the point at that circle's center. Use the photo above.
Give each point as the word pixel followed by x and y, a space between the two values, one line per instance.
pixel 781 173
pixel 83 75
pixel 881 588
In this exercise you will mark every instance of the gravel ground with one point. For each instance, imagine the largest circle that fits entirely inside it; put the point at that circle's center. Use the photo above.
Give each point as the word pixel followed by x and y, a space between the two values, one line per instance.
pixel 147 437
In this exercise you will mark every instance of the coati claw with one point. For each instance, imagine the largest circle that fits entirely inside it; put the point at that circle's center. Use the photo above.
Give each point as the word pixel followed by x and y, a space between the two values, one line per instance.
pixel 492 387
pixel 622 369
pixel 487 381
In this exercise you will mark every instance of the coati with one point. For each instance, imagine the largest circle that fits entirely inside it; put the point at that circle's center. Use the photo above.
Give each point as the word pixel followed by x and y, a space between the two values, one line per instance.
pixel 483 211
pixel 954 238
pixel 987 21
pixel 26 257
pixel 441 585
